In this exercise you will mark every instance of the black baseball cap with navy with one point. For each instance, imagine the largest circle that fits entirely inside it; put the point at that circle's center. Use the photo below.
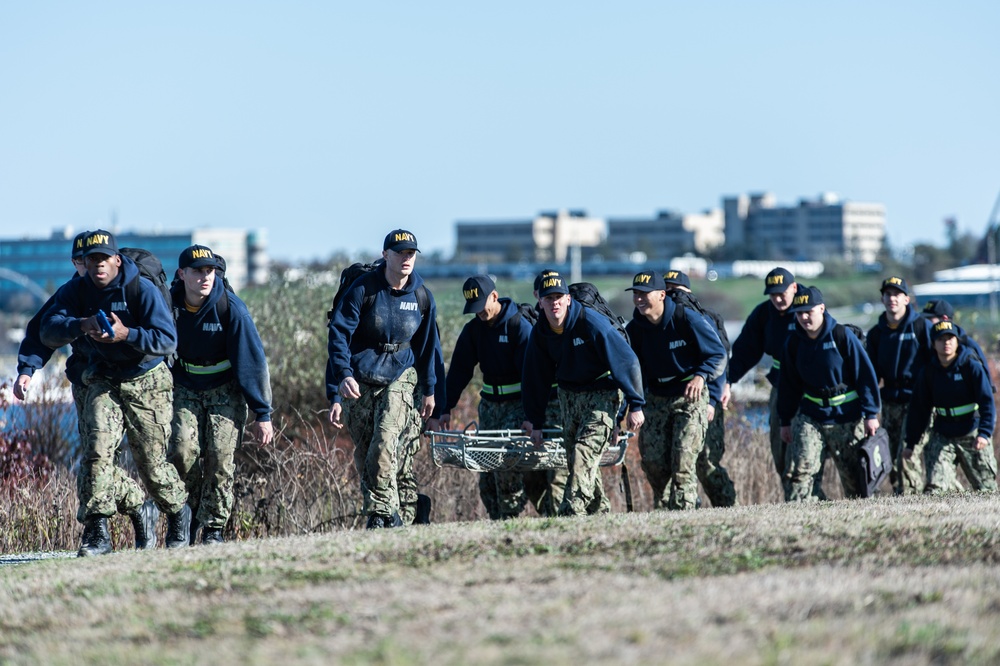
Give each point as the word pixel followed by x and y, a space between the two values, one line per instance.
pixel 198 256
pixel 398 240
pixel 647 281
pixel 78 245
pixel 778 281
pixel 552 283
pixel 477 290
pixel 678 278
pixel 806 298
pixel 895 282
pixel 99 242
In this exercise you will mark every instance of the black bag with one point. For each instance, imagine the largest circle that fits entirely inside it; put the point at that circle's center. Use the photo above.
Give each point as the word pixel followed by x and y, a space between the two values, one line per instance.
pixel 525 311
pixel 150 267
pixel 876 462
pixel 589 297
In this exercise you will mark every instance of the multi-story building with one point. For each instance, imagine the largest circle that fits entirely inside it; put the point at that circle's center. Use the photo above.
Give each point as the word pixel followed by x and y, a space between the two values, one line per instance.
pixel 548 237
pixel 667 235
pixel 818 229
pixel 42 264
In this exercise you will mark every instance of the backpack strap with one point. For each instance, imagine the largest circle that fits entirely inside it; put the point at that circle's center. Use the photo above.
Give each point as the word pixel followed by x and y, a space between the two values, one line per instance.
pixel 222 308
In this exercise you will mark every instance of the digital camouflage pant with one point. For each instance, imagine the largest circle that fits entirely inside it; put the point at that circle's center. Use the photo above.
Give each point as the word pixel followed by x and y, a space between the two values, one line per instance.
pixel 556 479
pixel 810 439
pixel 588 420
pixel 908 477
pixel 142 407
pixel 670 442
pixel 779 451
pixel 377 422
pixel 506 493
pixel 406 478
pixel 207 427
pixel 127 493
pixel 713 476
pixel 943 453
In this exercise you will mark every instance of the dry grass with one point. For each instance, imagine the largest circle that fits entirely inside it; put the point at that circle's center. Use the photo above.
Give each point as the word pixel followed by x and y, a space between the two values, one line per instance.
pixel 901 580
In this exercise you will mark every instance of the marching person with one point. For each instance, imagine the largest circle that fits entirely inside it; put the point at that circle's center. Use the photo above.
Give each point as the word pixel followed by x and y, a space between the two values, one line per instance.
pixel 899 346
pixel 220 369
pixel 679 352
pixel 714 477
pixel 828 386
pixel 129 387
pixel 579 349
pixel 32 356
pixel 495 339
pixel 382 342
pixel 955 387
pixel 765 332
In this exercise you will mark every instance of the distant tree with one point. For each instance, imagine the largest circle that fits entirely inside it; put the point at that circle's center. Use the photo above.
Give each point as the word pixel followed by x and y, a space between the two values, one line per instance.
pixel 927 259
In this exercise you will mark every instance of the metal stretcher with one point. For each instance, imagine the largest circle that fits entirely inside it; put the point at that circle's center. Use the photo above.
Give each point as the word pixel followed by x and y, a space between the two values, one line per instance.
pixel 509 450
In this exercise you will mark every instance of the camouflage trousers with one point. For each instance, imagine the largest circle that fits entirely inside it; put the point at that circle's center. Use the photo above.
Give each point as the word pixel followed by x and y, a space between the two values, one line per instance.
pixel 713 476
pixel 588 420
pixel 142 407
pixel 128 495
pixel 670 442
pixel 506 493
pixel 556 479
pixel 780 453
pixel 406 479
pixel 377 422
pixel 907 476
pixel 810 439
pixel 943 453
pixel 207 427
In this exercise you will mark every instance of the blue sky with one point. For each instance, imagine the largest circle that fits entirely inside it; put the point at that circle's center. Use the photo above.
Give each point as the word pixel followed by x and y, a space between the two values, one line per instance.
pixel 330 123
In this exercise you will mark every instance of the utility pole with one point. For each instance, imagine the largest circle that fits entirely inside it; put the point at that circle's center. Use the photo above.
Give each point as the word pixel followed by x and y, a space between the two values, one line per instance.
pixel 992 229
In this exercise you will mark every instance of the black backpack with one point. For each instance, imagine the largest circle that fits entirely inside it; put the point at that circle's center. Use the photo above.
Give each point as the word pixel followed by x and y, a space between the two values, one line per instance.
pixel 151 268
pixel 876 462
pixel 589 297
pixel 525 311
pixel 688 300
pixel 350 274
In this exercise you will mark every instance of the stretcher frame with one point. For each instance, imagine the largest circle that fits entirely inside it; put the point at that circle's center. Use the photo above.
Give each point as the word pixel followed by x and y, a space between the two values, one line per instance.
pixel 509 450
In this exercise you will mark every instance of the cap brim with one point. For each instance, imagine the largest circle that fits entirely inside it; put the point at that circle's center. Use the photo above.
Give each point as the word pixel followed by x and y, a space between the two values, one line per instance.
pixel 474 307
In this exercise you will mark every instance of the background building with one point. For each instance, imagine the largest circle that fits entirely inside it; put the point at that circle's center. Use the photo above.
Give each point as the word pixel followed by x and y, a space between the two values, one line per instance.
pixel 547 237
pixel 667 235
pixel 819 229
pixel 33 267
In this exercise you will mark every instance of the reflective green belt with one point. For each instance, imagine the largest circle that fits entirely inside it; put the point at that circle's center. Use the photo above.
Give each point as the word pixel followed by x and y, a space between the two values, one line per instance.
pixel 776 364
pixel 835 401
pixel 503 389
pixel 667 380
pixel 193 369
pixel 961 410
pixel 606 374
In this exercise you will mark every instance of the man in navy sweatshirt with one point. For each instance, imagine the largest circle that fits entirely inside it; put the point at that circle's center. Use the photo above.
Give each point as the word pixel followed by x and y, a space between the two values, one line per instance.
pixel 679 353
pixel 581 351
pixel 129 387
pixel 495 340
pixel 220 369
pixel 828 398
pixel 955 386
pixel 382 342
pixel 32 356
pixel 899 345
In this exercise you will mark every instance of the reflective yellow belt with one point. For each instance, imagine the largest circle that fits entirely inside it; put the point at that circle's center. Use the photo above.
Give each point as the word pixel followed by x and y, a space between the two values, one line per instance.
pixel 503 389
pixel 835 401
pixel 193 369
pixel 961 410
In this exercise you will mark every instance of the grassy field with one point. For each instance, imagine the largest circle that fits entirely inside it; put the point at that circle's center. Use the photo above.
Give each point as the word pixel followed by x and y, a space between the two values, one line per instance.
pixel 895 580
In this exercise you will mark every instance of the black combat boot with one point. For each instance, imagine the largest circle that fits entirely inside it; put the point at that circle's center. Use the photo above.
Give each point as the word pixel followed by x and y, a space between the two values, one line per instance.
pixel 179 528
pixel 377 521
pixel 211 535
pixel 144 522
pixel 195 526
pixel 96 538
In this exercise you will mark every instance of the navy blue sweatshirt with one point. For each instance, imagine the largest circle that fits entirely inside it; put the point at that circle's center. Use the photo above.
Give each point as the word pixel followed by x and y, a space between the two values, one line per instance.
pixel 819 371
pixel 151 337
pixel 675 350
pixel 764 332
pixel 203 339
pixel 961 391
pixel 589 355
pixel 358 335
pixel 499 352
pixel 899 353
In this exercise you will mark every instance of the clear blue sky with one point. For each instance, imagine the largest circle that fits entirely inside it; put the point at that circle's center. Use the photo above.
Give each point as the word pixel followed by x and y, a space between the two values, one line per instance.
pixel 330 123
